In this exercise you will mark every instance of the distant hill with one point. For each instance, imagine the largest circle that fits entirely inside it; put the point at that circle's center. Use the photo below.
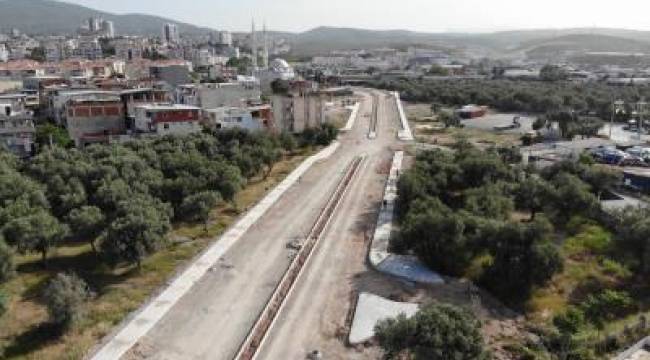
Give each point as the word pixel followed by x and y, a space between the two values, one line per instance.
pixel 54 17
pixel 325 39
pixel 57 17
pixel 583 43
pixel 534 42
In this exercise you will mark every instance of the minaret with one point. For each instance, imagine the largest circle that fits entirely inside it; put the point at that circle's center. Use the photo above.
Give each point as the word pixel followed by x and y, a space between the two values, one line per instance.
pixel 254 46
pixel 265 56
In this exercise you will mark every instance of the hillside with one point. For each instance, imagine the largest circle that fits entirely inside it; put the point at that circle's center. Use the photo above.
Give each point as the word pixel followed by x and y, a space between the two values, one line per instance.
pixel 54 17
pixel 576 44
pixel 535 42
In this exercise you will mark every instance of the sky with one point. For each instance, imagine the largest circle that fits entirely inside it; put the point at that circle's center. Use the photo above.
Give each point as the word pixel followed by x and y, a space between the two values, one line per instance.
pixel 416 15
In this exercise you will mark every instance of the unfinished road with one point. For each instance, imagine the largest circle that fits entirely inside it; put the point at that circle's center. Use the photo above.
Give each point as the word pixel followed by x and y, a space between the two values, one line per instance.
pixel 317 313
pixel 212 320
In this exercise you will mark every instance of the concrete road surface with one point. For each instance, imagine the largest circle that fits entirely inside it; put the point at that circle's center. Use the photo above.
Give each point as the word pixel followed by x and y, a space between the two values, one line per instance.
pixel 316 314
pixel 212 320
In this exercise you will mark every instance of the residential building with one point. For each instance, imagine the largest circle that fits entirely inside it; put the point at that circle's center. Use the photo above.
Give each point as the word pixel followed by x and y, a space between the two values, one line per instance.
pixel 253 118
pixel 170 34
pixel 128 48
pixel 89 48
pixel 95 120
pixel 132 98
pixel 164 119
pixel 16 128
pixel 108 29
pixel 216 95
pixel 295 113
pixel 172 74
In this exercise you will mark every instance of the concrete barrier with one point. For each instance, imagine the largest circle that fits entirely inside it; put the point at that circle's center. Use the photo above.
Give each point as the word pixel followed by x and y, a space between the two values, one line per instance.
pixel 268 316
pixel 402 266
pixel 405 134
pixel 353 117
pixel 140 323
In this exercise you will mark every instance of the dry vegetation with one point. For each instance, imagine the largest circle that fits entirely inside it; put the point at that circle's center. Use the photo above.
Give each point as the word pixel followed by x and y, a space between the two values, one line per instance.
pixel 24 332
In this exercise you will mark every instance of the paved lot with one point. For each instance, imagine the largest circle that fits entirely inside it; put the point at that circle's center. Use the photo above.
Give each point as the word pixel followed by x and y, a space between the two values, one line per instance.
pixel 489 121
pixel 213 318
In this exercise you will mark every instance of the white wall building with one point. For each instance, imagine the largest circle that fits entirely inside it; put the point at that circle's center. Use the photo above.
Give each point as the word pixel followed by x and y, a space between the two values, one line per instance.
pixel 4 53
pixel 163 120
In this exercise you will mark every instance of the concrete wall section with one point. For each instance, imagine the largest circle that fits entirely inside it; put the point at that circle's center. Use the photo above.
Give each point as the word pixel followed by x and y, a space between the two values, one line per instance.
pixel 405 134
pixel 402 266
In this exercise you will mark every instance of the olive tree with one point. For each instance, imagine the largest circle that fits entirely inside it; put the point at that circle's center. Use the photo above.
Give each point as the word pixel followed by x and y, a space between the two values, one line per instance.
pixel 137 232
pixel 87 222
pixel 39 232
pixel 436 332
pixel 197 207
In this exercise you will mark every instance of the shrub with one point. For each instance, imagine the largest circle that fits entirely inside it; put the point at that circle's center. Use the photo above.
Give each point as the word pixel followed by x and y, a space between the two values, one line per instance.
pixel 607 306
pixel 614 268
pixel 436 332
pixel 64 297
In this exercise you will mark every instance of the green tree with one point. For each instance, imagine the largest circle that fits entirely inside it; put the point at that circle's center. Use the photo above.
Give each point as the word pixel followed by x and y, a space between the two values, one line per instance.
pixel 197 207
pixel 552 73
pixel 87 223
pixel 489 202
pixel 65 297
pixel 573 197
pixel 37 54
pixel 448 118
pixel 602 179
pixel 633 235
pixel 438 70
pixel 437 236
pixel 138 231
pixel 50 134
pixel 436 332
pixel 38 232
pixel 523 258
pixel 533 194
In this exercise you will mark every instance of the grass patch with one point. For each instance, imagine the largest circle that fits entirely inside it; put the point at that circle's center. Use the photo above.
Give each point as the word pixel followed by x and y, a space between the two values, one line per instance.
pixel 24 332
pixel 591 240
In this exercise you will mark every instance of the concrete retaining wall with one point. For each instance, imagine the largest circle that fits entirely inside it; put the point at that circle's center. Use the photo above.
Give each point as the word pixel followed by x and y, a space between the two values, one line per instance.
pixel 405 134
pixel 402 266
pixel 353 117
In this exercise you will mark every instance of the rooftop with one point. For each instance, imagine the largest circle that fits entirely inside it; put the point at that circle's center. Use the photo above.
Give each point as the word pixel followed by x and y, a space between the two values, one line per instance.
pixel 167 107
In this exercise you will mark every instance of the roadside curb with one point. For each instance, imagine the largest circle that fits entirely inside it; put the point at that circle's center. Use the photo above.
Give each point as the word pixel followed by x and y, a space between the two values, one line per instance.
pixel 402 266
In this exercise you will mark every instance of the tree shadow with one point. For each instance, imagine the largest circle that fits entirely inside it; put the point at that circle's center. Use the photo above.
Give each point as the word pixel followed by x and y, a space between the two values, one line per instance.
pixel 87 265
pixel 35 338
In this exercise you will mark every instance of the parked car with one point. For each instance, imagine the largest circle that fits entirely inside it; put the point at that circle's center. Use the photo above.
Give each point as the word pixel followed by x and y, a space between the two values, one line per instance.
pixel 641 152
